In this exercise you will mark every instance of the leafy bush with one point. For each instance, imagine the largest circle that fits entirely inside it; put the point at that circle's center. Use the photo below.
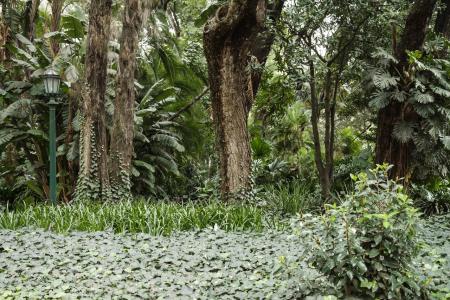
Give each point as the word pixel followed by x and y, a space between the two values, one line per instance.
pixel 432 199
pixel 370 240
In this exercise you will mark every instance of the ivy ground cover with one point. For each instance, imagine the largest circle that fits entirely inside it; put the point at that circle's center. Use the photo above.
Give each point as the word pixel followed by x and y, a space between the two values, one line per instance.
pixel 207 264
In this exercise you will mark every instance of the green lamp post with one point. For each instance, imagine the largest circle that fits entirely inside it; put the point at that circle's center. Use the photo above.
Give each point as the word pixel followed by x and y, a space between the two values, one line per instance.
pixel 51 84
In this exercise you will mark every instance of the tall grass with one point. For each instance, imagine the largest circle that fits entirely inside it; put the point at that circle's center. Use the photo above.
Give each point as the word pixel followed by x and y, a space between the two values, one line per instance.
pixel 163 218
pixel 157 218
pixel 293 198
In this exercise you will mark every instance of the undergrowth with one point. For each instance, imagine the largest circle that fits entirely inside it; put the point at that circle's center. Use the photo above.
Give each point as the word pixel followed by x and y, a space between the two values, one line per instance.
pixel 157 218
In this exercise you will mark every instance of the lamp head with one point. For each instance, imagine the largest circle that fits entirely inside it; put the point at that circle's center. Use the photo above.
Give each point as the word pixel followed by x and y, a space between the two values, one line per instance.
pixel 51 81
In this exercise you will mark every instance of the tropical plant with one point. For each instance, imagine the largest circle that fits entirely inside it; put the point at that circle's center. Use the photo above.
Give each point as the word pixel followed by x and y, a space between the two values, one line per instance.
pixel 424 89
pixel 370 240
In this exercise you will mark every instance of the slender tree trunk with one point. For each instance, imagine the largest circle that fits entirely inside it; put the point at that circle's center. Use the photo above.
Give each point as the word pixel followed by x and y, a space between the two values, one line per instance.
pixel 229 42
pixel 57 6
pixel 121 150
pixel 93 179
pixel 388 149
pixel 324 166
pixel 442 24
pixel 31 14
pixel 4 33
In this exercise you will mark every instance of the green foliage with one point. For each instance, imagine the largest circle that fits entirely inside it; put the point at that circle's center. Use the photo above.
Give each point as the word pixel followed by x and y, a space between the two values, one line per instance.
pixel 423 87
pixel 432 198
pixel 369 241
pixel 434 262
pixel 156 139
pixel 209 264
pixel 157 218
pixel 292 198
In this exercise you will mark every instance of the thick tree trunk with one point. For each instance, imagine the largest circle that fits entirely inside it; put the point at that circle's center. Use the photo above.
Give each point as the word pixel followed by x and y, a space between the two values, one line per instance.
pixel 388 149
pixel 93 179
pixel 121 150
pixel 229 42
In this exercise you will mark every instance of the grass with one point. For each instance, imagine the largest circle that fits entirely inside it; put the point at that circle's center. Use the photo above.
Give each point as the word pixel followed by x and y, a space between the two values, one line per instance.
pixel 157 218
pixel 291 199
pixel 163 217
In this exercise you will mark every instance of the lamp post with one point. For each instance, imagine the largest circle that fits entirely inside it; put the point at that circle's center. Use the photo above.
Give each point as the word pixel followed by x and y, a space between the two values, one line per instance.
pixel 51 84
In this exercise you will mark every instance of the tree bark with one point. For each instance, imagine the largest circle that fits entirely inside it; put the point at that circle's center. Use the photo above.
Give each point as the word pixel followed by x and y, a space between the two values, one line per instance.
pixel 388 148
pixel 442 24
pixel 229 42
pixel 121 150
pixel 30 15
pixel 57 6
pixel 93 179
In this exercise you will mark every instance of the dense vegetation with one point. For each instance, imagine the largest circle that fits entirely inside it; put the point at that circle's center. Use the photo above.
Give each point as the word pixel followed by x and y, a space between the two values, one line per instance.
pixel 226 149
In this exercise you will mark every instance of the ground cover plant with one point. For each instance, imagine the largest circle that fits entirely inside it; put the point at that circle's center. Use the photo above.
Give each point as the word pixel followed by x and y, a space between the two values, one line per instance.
pixel 157 218
pixel 206 264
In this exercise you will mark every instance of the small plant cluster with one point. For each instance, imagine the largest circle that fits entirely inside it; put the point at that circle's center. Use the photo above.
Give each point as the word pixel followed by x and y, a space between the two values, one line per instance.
pixel 366 245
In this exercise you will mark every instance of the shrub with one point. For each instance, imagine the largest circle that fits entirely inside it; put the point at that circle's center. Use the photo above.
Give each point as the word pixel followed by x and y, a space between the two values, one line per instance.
pixel 432 199
pixel 366 245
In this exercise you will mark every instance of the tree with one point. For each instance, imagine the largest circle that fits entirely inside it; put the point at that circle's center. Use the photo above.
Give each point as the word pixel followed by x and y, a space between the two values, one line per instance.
pixel 442 24
pixel 93 179
pixel 321 44
pixel 121 149
pixel 233 44
pixel 388 148
pixel 31 13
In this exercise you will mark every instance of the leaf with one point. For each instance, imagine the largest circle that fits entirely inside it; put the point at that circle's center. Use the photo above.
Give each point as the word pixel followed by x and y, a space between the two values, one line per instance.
pixel 374 253
pixel 143 164
pixel 38 133
pixel 71 74
pixel 380 100
pixel 423 98
pixel 206 14
pixel 26 42
pixel 441 92
pixel 8 134
pixel 168 140
pixel 72 26
pixel 446 141
pixel 403 131
pixel 383 80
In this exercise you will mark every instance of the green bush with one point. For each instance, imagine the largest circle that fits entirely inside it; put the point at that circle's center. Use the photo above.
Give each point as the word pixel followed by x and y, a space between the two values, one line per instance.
pixel 366 245
pixel 433 198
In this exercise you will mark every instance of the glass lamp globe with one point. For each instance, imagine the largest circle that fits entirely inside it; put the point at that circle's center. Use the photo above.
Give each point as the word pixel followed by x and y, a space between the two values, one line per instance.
pixel 51 81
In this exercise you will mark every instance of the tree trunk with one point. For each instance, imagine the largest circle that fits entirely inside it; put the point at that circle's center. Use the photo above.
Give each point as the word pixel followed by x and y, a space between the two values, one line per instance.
pixel 57 6
pixel 388 149
pixel 442 24
pixel 121 150
pixel 31 13
pixel 229 42
pixel 93 179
